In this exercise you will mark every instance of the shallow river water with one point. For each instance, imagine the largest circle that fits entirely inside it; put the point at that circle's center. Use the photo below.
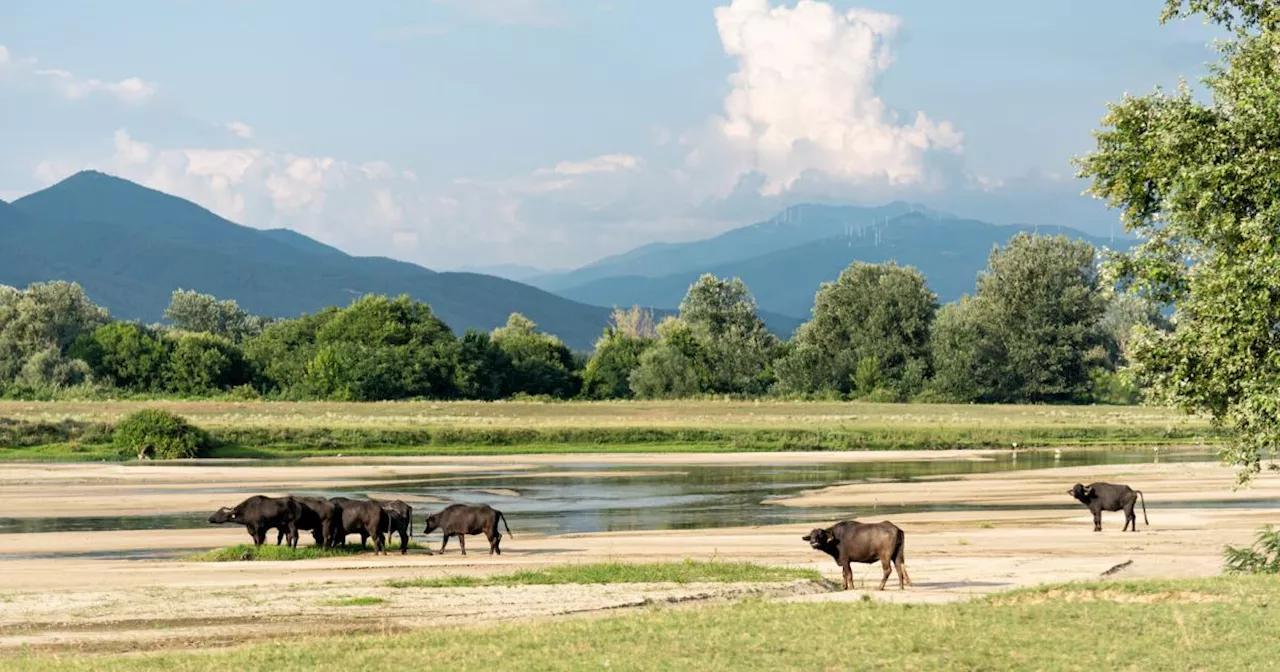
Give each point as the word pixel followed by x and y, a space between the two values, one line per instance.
pixel 658 497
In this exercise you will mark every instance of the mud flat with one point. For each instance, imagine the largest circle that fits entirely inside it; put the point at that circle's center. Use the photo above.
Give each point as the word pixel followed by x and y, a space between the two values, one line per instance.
pixel 56 596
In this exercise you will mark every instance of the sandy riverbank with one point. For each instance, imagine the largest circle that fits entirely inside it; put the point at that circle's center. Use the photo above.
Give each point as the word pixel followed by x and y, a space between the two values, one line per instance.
pixel 97 603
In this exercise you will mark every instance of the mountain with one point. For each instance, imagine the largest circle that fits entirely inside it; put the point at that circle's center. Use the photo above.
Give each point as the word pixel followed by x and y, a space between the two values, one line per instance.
pixel 130 247
pixel 794 226
pixel 950 252
pixel 509 271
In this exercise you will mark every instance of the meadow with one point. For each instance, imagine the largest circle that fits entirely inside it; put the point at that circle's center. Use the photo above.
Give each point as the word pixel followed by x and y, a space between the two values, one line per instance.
pixel 1222 623
pixel 82 430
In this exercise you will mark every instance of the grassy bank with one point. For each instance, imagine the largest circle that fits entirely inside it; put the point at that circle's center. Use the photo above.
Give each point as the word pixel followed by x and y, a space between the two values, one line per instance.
pixel 689 571
pixel 82 430
pixel 304 551
pixel 1219 624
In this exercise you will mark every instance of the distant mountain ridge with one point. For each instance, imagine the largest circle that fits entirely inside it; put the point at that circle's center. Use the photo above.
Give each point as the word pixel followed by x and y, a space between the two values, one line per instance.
pixel 794 226
pixel 948 251
pixel 131 246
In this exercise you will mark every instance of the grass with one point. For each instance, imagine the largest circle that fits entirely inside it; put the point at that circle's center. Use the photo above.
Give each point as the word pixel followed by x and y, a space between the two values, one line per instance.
pixel 74 430
pixel 1152 626
pixel 689 571
pixel 355 602
pixel 268 552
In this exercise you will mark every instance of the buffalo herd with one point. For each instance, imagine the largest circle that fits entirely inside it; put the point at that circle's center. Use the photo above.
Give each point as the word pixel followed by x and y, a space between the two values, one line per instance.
pixel 331 520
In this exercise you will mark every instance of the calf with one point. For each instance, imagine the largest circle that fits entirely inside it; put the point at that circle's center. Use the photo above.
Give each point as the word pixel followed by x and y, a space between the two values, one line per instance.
pixel 1101 497
pixel 364 517
pixel 459 520
pixel 849 541
pixel 259 514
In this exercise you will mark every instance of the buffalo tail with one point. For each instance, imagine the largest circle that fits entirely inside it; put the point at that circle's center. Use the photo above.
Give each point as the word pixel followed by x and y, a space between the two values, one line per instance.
pixel 1144 507
pixel 900 547
pixel 504 524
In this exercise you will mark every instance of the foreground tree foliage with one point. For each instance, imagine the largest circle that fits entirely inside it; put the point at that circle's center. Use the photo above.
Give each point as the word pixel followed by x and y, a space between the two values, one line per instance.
pixel 1198 184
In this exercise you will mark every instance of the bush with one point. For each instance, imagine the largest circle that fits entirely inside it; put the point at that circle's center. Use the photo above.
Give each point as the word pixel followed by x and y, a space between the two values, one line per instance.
pixel 1262 558
pixel 159 434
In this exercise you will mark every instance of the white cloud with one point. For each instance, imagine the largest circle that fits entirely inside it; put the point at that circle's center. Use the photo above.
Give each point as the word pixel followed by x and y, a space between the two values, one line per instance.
pixel 804 101
pixel 130 90
pixel 240 129
pixel 605 163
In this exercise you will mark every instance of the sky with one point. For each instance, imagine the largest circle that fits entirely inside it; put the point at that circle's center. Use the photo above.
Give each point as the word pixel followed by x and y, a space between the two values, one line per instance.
pixel 550 133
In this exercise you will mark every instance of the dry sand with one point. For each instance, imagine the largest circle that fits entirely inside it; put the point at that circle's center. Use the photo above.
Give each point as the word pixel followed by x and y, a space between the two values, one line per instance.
pixel 111 604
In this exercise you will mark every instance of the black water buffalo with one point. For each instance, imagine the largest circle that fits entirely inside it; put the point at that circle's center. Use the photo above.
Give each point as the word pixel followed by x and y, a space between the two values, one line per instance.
pixel 1101 497
pixel 259 514
pixel 400 520
pixel 459 520
pixel 849 541
pixel 364 517
pixel 319 515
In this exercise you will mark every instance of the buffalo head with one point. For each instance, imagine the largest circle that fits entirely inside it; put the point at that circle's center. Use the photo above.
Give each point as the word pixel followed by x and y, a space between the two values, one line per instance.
pixel 1079 492
pixel 223 515
pixel 819 538
pixel 433 521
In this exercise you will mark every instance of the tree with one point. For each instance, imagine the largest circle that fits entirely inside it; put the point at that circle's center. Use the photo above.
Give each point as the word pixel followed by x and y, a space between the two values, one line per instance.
pixel 736 348
pixel 380 348
pixel 46 316
pixel 965 362
pixel 203 363
pixel 1196 182
pixel 484 370
pixel 540 363
pixel 282 353
pixel 204 313
pixel 126 355
pixel 608 372
pixel 874 317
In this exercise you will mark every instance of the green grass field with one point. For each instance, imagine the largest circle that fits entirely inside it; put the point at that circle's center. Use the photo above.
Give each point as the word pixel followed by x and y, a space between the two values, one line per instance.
pixel 1217 624
pixel 689 571
pixel 82 430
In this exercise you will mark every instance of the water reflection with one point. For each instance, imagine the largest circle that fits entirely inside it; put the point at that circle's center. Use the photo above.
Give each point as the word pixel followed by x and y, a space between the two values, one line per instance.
pixel 607 497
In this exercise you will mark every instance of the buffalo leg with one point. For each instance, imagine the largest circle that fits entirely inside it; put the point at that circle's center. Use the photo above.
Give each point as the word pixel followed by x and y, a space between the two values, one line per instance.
pixel 903 579
pixel 279 535
pixel 404 543
pixel 364 536
pixel 259 536
pixel 462 541
pixel 1097 521
pixel 444 543
pixel 379 544
pixel 494 544
pixel 888 569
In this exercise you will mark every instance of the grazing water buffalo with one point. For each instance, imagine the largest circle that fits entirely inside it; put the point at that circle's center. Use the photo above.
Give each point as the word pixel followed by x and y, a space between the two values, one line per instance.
pixel 364 517
pixel 459 520
pixel 849 541
pixel 319 515
pixel 259 514
pixel 1101 497
pixel 399 520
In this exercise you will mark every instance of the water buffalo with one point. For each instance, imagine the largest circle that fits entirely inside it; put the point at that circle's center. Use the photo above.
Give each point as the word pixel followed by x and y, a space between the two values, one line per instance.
pixel 459 520
pixel 259 514
pixel 1101 497
pixel 319 515
pixel 364 517
pixel 400 520
pixel 849 541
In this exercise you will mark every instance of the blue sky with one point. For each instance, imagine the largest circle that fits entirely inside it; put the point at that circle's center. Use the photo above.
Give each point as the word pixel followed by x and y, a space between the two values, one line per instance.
pixel 553 132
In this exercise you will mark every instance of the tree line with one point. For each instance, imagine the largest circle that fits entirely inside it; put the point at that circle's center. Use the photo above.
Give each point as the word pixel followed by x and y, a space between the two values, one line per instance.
pixel 1042 326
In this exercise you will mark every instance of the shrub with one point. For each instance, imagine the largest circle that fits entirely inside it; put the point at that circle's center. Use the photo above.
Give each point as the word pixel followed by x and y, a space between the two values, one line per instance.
pixel 159 434
pixel 1262 558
